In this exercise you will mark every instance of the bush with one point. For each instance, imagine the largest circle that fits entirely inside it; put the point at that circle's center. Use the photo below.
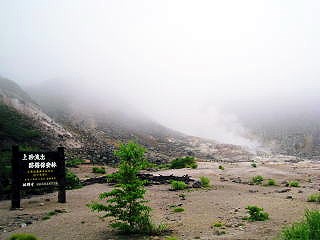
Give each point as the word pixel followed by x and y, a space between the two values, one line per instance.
pixel 75 162
pixel 23 236
pixel 178 185
pixel 308 229
pixel 72 180
pixel 183 162
pixel 256 214
pixel 221 167
pixel 294 184
pixel 254 165
pixel 101 170
pixel 314 198
pixel 205 182
pixel 178 209
pixel 257 180
pixel 125 203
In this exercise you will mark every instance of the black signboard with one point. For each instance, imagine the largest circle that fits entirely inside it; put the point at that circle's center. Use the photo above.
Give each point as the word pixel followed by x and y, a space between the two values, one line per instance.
pixel 37 169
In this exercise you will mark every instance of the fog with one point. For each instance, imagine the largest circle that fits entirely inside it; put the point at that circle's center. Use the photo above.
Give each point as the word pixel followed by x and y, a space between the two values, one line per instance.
pixel 201 67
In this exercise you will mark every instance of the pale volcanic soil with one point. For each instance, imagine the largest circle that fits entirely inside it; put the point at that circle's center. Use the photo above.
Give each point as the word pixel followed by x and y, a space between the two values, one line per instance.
pixel 224 202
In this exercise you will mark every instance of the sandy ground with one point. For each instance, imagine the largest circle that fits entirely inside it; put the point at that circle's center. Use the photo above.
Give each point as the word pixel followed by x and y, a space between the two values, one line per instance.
pixel 224 202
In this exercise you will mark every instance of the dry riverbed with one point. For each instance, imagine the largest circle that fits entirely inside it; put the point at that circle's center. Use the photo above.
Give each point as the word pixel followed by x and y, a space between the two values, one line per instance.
pixel 225 202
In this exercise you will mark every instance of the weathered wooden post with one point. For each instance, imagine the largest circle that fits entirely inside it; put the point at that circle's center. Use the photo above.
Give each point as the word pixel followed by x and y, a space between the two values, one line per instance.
pixel 62 176
pixel 15 186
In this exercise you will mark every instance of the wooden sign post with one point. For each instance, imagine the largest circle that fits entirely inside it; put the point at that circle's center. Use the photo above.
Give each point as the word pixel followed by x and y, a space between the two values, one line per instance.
pixel 37 169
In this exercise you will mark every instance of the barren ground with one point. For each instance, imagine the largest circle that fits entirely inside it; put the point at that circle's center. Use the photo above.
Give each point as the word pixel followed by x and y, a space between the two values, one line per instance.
pixel 224 202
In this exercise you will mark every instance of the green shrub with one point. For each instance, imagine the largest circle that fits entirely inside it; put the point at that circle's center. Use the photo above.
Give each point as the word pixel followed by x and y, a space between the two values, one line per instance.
pixel 271 182
pixel 72 180
pixel 254 165
pixel 183 162
pixel 257 180
pixel 101 170
pixel 256 214
pixel 294 184
pixel 205 181
pixel 308 229
pixel 125 203
pixel 178 209
pixel 178 185
pixel 75 162
pixel 23 236
pixel 221 167
pixel 314 198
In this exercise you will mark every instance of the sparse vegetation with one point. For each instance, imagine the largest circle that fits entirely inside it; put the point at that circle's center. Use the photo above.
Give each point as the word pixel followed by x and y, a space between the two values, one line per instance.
pixel 314 198
pixel 23 236
pixel 183 162
pixel 75 162
pixel 254 165
pixel 221 167
pixel 205 181
pixel 257 180
pixel 256 214
pixel 308 229
pixel 178 185
pixel 52 213
pixel 217 224
pixel 72 180
pixel 270 182
pixel 125 203
pixel 178 209
pixel 294 184
pixel 100 170
pixel 171 238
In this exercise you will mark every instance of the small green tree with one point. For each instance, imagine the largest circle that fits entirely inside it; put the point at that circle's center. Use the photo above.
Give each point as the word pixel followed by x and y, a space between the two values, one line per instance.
pixel 126 201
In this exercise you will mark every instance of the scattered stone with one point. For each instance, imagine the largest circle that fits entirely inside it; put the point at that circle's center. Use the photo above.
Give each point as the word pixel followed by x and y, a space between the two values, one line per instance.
pixel 289 197
pixel 253 190
pixel 197 184
pixel 41 204
pixel 300 191
pixel 23 225
pixel 283 190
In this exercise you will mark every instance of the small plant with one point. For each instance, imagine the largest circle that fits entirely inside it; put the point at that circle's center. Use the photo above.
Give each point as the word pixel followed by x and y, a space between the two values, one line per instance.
pixel 171 238
pixel 254 165
pixel 178 185
pixel 270 182
pixel 75 162
pixel 52 213
pixel 178 209
pixel 23 236
pixel 314 198
pixel 308 229
pixel 218 224
pixel 205 181
pixel 257 180
pixel 294 184
pixel 183 162
pixel 100 170
pixel 256 214
pixel 72 180
pixel 221 167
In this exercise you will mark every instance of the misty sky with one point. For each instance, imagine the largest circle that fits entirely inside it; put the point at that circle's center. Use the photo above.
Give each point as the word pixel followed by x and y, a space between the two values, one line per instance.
pixel 191 65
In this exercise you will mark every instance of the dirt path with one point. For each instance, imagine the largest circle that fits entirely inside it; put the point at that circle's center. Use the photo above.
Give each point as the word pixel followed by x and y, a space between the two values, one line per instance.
pixel 225 202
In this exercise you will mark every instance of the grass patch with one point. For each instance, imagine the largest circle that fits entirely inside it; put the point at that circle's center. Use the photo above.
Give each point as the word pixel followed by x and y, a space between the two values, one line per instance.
pixel 183 162
pixel 72 180
pixel 205 181
pixel 256 214
pixel 270 182
pixel 178 209
pixel 100 170
pixel 314 198
pixel 217 224
pixel 75 162
pixel 23 236
pixel 294 184
pixel 52 213
pixel 257 180
pixel 307 229
pixel 178 185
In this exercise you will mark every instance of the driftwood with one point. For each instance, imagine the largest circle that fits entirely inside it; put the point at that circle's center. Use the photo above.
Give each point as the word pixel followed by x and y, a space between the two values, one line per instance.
pixel 151 179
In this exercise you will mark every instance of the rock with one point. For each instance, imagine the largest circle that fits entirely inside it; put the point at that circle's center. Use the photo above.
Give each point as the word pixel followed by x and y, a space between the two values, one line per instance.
pixel 197 184
pixel 23 225
pixel 253 190
pixel 283 190
pixel 289 197
pixel 41 204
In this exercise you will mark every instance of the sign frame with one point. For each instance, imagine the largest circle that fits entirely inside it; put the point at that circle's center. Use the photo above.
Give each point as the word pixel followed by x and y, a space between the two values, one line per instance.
pixel 18 170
